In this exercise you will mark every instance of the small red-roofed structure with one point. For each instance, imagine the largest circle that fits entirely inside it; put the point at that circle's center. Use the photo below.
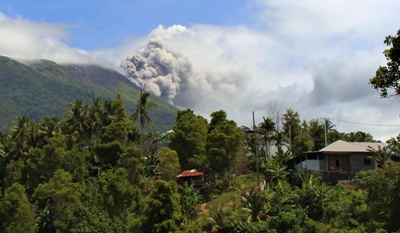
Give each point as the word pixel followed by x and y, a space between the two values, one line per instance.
pixel 192 177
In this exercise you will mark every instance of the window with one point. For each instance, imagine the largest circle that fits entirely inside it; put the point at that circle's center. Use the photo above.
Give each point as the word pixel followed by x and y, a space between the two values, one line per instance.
pixel 367 162
pixel 335 164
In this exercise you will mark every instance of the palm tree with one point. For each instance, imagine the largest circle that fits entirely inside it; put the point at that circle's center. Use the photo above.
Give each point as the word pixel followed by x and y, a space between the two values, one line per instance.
pixel 20 131
pixel 267 127
pixel 317 132
pixel 220 218
pixel 35 135
pixel 97 115
pixel 105 113
pixel 381 155
pixel 77 119
pixel 359 136
pixel 276 170
pixel 142 112
pixel 8 146
pixel 2 153
pixel 254 201
pixel 327 124
pixel 50 126
pixel 280 140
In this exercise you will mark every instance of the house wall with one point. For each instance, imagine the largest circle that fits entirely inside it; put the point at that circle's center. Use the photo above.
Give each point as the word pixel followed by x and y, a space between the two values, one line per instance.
pixel 273 149
pixel 340 166
pixel 338 163
pixel 191 180
pixel 312 164
pixel 322 162
pixel 360 162
pixel 299 166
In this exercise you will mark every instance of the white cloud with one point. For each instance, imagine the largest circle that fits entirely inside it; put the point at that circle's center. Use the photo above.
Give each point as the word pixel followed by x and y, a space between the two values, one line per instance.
pixel 24 39
pixel 315 57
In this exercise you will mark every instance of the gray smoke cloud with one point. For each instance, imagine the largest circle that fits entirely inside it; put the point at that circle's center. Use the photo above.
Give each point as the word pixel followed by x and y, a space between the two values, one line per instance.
pixel 241 70
pixel 158 70
pixel 170 71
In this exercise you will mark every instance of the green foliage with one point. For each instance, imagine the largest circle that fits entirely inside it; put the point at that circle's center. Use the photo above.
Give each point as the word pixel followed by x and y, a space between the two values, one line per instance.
pixel 217 118
pixel 292 128
pixel 358 136
pixel 16 213
pixel 284 214
pixel 267 128
pixel 363 178
pixel 224 143
pixel 142 111
pixel 118 194
pixel 190 201
pixel 254 202
pixel 92 216
pixel 51 96
pixel 14 172
pixel 118 106
pixel 151 162
pixel 123 131
pixel 383 193
pixel 189 140
pixel 84 173
pixel 133 162
pixel 345 210
pixel 275 170
pixel 313 195
pixel 162 213
pixel 58 85
pixel 42 163
pixel 388 77
pixel 109 153
pixel 61 197
pixel 168 167
pixel 381 155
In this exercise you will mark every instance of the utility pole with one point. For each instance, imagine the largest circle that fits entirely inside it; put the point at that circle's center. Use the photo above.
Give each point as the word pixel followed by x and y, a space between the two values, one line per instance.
pixel 324 121
pixel 290 138
pixel 326 140
pixel 255 150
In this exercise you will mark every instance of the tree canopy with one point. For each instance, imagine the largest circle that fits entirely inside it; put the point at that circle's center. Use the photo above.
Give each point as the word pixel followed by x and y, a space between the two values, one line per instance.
pixel 89 172
pixel 387 77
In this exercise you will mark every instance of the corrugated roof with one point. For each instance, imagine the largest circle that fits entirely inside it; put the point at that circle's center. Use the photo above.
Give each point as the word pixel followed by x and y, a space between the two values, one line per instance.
pixel 343 146
pixel 189 173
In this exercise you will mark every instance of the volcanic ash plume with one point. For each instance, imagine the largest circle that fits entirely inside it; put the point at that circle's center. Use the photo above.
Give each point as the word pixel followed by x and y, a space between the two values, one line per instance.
pixel 190 69
pixel 158 71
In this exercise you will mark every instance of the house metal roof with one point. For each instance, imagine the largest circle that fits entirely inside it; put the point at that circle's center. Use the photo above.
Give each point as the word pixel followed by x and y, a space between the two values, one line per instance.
pixel 189 173
pixel 343 146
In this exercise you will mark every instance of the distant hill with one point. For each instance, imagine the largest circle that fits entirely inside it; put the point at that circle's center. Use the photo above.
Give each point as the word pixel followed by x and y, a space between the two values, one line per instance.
pixel 43 88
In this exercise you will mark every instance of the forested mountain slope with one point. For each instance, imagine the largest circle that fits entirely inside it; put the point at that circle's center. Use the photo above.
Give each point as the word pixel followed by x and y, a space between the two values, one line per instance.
pixel 43 88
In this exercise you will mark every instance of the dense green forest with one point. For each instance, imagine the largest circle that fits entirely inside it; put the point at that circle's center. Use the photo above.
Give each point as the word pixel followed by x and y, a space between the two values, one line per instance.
pixel 41 88
pixel 94 171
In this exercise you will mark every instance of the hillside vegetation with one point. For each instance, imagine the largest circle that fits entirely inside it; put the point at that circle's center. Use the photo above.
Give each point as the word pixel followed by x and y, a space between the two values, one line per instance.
pixel 89 172
pixel 42 88
pixel 93 171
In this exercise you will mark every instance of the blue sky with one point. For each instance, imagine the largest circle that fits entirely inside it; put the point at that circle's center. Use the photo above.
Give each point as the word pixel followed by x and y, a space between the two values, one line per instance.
pixel 104 24
pixel 315 57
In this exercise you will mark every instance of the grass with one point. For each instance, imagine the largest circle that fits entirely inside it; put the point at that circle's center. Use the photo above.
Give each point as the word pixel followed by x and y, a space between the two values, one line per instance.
pixel 232 195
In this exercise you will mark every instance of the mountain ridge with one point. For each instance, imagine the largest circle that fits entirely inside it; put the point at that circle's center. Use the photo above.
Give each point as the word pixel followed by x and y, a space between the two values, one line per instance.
pixel 43 88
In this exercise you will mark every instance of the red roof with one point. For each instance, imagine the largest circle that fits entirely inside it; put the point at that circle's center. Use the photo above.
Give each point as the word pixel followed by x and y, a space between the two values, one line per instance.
pixel 189 173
